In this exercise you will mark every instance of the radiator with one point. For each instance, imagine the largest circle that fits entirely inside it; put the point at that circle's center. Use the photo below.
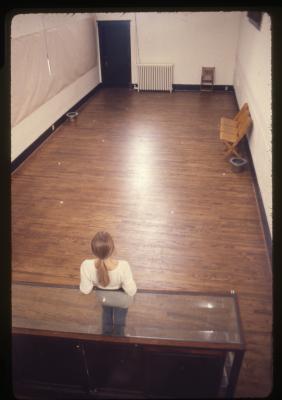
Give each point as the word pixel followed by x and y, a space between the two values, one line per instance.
pixel 155 77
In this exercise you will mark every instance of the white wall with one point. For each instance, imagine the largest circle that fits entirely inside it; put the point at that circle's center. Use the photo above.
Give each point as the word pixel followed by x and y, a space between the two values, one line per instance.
pixel 38 97
pixel 252 83
pixel 189 40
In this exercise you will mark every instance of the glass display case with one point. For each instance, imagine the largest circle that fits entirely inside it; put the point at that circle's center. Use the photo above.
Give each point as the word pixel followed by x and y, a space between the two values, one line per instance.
pixel 174 344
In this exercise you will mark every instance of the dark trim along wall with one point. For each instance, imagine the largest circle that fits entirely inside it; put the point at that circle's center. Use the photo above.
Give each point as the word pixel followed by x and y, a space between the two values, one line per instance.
pixel 184 87
pixel 176 87
pixel 266 230
pixel 15 163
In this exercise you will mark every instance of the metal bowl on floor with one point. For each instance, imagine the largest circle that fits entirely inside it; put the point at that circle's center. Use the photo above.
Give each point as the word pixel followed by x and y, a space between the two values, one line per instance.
pixel 238 164
pixel 72 115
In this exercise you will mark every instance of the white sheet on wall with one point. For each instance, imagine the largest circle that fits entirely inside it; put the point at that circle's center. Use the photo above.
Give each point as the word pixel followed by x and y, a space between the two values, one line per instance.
pixel 31 127
pixel 71 50
pixel 30 79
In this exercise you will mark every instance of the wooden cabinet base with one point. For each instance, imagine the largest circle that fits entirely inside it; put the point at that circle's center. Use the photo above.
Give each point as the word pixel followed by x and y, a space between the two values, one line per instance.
pixel 67 368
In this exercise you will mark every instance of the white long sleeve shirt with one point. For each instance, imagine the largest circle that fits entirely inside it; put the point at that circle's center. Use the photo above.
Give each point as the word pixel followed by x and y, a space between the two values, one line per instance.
pixel 120 277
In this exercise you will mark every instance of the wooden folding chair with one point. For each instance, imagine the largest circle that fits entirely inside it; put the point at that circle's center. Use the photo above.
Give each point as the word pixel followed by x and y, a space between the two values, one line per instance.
pixel 234 122
pixel 207 78
pixel 232 135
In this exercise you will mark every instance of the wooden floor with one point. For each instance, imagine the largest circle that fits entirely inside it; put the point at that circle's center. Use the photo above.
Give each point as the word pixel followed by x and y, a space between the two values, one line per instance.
pixel 149 168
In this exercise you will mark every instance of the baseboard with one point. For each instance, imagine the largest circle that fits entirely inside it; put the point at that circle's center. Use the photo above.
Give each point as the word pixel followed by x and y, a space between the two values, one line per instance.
pixel 222 88
pixel 191 88
pixel 263 218
pixel 117 85
pixel 266 230
pixel 30 149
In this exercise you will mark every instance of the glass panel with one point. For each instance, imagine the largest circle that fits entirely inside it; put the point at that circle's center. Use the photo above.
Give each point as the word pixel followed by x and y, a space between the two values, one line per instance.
pixel 190 316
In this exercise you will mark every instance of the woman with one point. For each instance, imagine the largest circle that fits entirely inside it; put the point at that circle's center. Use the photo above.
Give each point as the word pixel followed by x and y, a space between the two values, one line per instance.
pixel 108 275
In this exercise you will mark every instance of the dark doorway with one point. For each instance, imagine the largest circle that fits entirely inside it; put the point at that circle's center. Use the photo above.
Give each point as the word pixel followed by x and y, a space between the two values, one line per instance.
pixel 114 40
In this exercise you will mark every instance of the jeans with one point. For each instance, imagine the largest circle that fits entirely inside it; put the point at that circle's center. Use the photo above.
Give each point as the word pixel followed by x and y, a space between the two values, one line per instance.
pixel 113 319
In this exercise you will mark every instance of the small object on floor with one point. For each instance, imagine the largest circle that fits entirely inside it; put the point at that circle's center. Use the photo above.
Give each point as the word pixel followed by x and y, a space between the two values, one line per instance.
pixel 72 115
pixel 237 164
